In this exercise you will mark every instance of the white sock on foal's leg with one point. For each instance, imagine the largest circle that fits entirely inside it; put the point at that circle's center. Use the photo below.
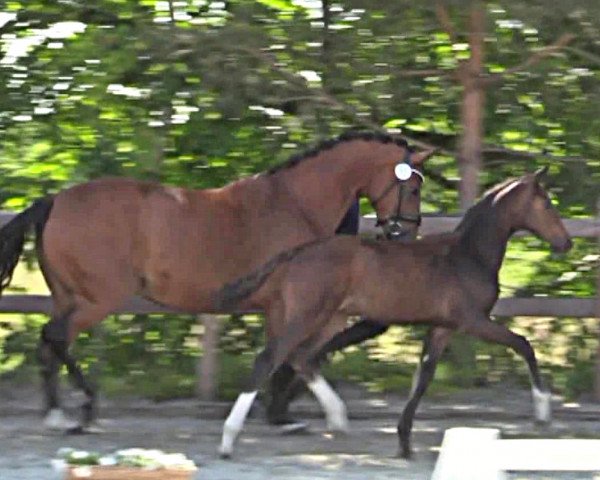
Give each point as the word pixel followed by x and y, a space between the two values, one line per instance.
pixel 542 407
pixel 56 420
pixel 235 422
pixel 331 403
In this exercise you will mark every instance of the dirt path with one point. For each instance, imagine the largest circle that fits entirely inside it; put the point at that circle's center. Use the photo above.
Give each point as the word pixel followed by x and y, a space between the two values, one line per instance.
pixel 366 452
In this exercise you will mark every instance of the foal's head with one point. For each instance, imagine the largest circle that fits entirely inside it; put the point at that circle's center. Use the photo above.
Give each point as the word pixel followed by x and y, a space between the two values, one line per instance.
pixel 395 192
pixel 533 211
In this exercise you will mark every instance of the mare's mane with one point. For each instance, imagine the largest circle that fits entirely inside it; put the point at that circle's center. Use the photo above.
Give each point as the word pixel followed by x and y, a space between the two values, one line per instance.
pixel 331 143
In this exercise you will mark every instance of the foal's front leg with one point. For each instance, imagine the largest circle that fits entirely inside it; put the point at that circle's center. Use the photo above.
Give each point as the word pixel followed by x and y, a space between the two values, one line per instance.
pixel 433 347
pixel 489 331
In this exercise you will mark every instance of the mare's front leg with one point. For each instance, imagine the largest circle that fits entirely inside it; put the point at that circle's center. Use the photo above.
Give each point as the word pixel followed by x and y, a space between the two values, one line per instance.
pixel 433 347
pixel 284 386
pixel 489 331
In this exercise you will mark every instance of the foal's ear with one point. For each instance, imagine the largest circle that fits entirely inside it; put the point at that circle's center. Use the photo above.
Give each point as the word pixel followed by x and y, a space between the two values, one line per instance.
pixel 419 158
pixel 537 176
pixel 541 173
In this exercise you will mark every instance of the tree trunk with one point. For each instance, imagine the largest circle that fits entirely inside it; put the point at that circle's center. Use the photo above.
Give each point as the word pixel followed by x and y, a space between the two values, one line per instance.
pixel 471 111
pixel 597 376
pixel 208 364
pixel 462 348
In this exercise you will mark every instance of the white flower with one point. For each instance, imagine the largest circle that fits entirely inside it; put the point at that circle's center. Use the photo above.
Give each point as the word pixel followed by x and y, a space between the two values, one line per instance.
pixel 58 464
pixel 79 454
pixel 108 460
pixel 81 472
pixel 65 451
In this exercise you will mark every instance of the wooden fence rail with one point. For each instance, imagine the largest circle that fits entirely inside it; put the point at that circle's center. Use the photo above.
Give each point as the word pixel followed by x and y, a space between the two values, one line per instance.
pixel 535 307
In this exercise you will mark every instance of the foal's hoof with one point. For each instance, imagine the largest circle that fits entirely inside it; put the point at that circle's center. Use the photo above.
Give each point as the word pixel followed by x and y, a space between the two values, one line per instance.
pixel 405 454
pixel 542 406
pixel 225 454
pixel 338 424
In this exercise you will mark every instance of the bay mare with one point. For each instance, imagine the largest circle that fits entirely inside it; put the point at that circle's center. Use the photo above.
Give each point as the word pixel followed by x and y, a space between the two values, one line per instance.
pixel 101 242
pixel 449 282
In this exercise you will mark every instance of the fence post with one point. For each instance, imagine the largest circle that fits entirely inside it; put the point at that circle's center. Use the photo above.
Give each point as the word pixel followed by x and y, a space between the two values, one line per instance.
pixel 208 364
pixel 597 379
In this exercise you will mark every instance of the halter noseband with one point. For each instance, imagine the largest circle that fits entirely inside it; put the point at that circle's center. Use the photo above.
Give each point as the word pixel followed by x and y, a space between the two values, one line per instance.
pixel 394 222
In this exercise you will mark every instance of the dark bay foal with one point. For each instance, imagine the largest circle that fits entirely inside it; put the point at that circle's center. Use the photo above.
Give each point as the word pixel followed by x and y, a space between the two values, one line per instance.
pixel 448 281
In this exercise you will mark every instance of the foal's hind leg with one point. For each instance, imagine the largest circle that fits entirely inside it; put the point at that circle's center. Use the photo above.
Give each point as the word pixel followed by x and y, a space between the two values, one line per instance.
pixel 433 347
pixel 305 363
pixel 498 333
pixel 263 366
pixel 270 359
pixel 285 385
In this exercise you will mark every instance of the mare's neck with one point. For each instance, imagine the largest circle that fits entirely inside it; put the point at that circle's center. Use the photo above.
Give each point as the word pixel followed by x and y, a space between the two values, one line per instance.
pixel 324 186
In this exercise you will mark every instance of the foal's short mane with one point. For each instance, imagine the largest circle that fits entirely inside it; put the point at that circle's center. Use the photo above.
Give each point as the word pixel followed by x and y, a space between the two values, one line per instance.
pixel 484 206
pixel 329 144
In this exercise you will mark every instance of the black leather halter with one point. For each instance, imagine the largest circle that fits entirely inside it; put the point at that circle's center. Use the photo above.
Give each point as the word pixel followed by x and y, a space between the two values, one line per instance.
pixel 392 226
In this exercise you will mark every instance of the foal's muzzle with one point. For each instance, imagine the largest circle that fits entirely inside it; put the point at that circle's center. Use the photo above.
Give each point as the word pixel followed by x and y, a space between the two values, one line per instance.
pixel 562 246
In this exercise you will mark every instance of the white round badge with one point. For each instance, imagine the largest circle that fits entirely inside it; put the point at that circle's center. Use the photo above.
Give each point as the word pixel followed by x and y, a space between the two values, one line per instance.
pixel 403 171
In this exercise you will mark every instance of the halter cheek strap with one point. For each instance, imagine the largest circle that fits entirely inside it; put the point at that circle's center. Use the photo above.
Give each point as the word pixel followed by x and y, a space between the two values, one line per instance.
pixel 398 217
pixel 393 183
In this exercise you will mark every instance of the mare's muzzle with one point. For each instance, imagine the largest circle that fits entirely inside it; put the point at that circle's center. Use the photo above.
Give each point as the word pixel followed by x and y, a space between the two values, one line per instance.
pixel 395 228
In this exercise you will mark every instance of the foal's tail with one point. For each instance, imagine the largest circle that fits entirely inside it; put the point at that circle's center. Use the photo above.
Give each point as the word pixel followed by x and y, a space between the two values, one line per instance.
pixel 12 236
pixel 234 292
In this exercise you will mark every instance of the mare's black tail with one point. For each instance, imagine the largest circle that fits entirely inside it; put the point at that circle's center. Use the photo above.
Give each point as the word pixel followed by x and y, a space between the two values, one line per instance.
pixel 12 236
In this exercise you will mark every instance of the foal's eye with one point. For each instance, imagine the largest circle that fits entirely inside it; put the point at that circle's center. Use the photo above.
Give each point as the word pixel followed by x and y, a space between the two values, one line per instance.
pixel 548 203
pixel 415 191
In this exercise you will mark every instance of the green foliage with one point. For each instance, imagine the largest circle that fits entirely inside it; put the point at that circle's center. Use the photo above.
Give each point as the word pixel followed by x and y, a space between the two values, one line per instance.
pixel 197 93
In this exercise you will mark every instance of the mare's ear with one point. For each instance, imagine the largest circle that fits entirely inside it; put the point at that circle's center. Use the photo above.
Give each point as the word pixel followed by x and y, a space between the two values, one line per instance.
pixel 419 158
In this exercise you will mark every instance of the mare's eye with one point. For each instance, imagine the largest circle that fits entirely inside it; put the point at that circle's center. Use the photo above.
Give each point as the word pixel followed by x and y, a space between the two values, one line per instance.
pixel 548 203
pixel 415 191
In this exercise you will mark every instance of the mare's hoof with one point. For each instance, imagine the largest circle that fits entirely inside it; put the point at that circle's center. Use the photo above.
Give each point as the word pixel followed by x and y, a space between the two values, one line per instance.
pixel 293 428
pixel 57 420
pixel 77 430
pixel 280 419
pixel 92 428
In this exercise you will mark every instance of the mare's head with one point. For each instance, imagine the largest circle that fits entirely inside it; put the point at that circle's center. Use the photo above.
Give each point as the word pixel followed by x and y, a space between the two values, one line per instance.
pixel 395 192
pixel 532 210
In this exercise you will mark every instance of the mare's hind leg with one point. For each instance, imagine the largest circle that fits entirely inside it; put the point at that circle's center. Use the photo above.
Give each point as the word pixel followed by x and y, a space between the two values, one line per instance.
pixel 433 347
pixel 490 331
pixel 49 369
pixel 59 333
